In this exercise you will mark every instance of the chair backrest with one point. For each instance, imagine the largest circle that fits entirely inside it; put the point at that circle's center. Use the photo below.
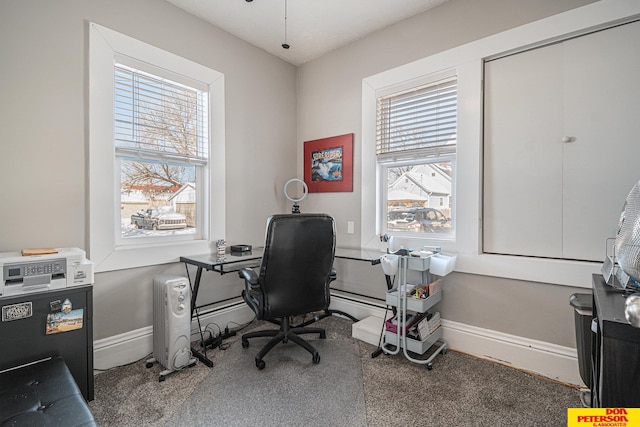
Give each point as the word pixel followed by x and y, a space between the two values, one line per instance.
pixel 297 262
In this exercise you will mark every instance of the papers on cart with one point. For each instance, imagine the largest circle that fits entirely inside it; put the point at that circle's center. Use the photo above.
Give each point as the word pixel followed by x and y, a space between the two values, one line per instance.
pixel 428 325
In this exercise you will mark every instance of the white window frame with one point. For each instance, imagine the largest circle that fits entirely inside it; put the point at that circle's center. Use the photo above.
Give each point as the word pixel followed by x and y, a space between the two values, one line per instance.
pixel 202 208
pixel 415 74
pixel 104 186
pixel 412 157
pixel 468 61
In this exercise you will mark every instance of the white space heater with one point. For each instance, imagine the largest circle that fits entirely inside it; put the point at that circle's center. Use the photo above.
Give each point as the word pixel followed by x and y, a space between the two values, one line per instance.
pixel 171 324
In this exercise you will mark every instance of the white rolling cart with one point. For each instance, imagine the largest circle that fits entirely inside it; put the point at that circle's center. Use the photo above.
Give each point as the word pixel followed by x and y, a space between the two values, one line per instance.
pixel 408 309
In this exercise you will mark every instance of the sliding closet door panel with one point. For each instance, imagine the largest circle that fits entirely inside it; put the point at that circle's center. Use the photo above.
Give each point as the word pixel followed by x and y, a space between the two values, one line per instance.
pixel 522 209
pixel 602 117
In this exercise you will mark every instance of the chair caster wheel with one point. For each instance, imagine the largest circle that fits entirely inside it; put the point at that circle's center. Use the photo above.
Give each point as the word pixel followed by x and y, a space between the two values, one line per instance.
pixel 316 358
pixel 323 335
pixel 429 366
pixel 161 378
pixel 260 364
pixel 149 365
pixel 245 343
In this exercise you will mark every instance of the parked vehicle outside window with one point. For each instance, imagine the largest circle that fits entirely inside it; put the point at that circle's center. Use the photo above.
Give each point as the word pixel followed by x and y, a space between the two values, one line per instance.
pixel 159 218
pixel 419 220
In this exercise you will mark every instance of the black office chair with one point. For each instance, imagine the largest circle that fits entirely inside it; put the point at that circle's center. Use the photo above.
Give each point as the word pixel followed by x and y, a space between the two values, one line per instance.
pixel 295 272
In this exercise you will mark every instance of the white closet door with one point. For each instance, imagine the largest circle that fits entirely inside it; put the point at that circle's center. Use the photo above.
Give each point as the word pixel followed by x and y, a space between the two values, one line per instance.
pixel 523 154
pixel 585 92
pixel 602 114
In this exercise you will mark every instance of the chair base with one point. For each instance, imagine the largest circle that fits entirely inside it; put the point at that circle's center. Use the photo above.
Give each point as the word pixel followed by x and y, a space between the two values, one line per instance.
pixel 284 334
pixel 326 313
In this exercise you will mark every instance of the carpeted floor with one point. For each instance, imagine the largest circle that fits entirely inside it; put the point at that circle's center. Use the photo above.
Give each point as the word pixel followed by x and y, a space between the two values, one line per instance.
pixel 347 388
pixel 132 395
pixel 290 391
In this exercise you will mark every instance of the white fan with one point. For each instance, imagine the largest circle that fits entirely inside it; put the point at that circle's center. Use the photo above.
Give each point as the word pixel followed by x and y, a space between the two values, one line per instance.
pixel 628 237
pixel 627 250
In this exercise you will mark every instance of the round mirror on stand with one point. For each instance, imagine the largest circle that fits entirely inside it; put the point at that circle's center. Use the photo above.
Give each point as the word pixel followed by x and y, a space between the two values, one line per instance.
pixel 289 193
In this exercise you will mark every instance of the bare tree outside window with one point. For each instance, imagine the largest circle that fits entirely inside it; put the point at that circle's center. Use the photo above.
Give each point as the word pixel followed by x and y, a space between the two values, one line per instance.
pixel 160 142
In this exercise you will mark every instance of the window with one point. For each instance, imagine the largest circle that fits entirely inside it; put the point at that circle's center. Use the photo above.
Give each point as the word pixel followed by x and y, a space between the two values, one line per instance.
pixel 156 146
pixel 415 152
pixel 161 149
pixel 467 190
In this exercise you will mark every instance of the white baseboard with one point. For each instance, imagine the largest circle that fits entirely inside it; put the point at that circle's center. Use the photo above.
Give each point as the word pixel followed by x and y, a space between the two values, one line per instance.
pixel 123 348
pixel 135 345
pixel 548 360
pixel 357 309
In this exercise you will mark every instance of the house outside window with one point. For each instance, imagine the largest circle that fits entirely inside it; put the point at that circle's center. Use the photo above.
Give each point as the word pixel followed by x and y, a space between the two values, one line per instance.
pixel 415 154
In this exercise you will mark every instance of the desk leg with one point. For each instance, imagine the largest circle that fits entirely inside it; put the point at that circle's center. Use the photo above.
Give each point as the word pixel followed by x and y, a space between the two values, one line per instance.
pixel 194 296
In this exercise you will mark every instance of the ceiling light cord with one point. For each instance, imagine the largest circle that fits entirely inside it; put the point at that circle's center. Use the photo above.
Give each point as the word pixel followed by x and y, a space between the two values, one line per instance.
pixel 285 45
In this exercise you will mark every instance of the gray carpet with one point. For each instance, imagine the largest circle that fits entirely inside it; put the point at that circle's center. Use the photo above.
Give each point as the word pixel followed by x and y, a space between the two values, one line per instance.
pixel 461 390
pixel 131 395
pixel 347 388
pixel 290 391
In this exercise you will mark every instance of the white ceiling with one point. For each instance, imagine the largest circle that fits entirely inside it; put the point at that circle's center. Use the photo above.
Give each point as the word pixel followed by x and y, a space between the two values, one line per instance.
pixel 314 27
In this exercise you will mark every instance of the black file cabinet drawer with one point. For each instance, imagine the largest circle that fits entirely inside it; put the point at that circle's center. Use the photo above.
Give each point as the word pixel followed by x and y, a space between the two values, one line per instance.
pixel 25 339
pixel 615 351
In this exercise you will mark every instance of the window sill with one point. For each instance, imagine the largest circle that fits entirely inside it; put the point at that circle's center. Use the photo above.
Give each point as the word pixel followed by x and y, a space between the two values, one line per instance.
pixel 532 269
pixel 146 255
pixel 554 271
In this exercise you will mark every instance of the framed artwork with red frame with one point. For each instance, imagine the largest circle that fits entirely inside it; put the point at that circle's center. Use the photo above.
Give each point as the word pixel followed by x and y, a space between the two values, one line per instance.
pixel 328 164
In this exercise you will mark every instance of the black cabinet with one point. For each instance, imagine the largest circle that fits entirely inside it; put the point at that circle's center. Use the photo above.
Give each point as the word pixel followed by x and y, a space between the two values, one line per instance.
pixel 24 338
pixel 615 352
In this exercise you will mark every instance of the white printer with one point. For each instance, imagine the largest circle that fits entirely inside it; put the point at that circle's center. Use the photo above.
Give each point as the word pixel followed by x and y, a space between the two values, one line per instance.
pixel 40 273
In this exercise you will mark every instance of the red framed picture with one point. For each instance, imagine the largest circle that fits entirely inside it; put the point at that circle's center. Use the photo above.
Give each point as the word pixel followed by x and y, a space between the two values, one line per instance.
pixel 328 164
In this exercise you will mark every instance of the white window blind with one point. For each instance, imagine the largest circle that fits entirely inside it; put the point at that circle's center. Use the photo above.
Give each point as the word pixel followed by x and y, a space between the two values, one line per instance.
pixel 420 122
pixel 156 118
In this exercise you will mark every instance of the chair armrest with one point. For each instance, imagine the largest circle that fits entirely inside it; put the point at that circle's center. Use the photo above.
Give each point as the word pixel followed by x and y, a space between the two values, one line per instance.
pixel 252 293
pixel 250 276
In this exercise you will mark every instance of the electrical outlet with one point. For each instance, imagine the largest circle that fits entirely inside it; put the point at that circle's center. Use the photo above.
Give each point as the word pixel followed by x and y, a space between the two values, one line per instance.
pixel 350 226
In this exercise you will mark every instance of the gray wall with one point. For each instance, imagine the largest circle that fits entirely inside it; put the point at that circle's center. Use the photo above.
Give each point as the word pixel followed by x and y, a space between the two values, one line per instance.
pixel 271 108
pixel 43 133
pixel 329 103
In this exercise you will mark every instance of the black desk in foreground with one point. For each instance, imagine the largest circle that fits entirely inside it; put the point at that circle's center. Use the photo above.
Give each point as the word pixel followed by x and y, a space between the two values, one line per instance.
pixel 36 336
pixel 233 262
pixel 615 351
